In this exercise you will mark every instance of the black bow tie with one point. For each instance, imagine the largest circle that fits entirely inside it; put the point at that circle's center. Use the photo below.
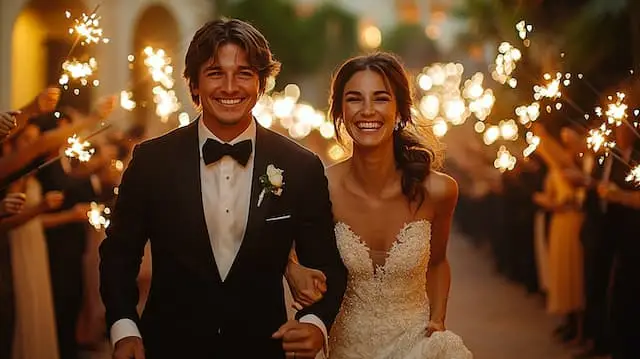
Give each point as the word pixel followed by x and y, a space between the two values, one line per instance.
pixel 213 150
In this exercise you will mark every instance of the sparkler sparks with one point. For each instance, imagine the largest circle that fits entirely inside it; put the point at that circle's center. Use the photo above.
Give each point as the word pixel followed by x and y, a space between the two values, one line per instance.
pixel 533 142
pixel 159 66
pixel 87 27
pixel 617 111
pixel 77 70
pixel 81 151
pixel 550 90
pixel 504 160
pixel 505 64
pixel 634 175
pixel 597 139
pixel 125 100
pixel 529 113
pixel 98 216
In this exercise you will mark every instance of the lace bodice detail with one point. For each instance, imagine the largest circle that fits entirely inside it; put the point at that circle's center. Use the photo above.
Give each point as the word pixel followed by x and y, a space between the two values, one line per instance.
pixel 402 274
pixel 385 309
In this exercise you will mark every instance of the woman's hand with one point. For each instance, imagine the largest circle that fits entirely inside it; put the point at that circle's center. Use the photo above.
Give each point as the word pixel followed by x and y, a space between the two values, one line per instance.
pixel 435 326
pixel 12 204
pixel 307 285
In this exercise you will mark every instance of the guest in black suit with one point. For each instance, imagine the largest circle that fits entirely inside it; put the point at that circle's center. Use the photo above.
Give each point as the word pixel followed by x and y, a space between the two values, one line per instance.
pixel 221 219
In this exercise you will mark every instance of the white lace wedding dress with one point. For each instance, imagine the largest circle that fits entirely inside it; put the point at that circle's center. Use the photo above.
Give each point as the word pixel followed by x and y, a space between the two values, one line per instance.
pixel 385 309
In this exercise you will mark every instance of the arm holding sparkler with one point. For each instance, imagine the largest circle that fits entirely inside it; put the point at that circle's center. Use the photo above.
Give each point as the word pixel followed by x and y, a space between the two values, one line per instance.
pixel 52 140
pixel 45 102
pixel 613 193
pixel 12 204
pixel 7 124
pixel 78 213
pixel 51 201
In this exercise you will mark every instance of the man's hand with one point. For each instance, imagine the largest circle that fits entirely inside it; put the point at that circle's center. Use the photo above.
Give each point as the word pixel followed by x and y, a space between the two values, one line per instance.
pixel 129 348
pixel 7 123
pixel 300 340
pixel 12 204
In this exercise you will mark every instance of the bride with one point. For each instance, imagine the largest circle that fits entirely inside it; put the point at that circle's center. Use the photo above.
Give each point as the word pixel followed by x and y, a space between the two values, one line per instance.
pixel 393 216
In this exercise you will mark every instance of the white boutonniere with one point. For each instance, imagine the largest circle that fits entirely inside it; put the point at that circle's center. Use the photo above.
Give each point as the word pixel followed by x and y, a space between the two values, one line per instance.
pixel 272 181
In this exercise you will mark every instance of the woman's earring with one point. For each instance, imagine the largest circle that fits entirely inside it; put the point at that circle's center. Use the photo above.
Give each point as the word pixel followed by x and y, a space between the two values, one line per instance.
pixel 398 123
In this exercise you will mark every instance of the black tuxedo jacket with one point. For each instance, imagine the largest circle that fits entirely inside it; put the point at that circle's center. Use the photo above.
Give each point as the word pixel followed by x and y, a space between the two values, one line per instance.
pixel 190 311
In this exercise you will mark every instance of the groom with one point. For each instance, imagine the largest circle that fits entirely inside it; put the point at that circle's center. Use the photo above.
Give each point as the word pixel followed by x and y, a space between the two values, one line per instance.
pixel 221 201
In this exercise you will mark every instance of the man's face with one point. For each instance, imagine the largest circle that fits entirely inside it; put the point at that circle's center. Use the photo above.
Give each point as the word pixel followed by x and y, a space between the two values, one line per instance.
pixel 228 87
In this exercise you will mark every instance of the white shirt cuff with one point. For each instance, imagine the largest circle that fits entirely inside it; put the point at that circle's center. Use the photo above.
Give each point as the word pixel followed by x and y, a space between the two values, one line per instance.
pixel 313 319
pixel 124 328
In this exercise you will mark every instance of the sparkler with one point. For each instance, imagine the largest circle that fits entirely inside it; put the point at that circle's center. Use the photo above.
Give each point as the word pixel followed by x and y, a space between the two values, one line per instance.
pixel 159 66
pixel 550 90
pixel 533 141
pixel 505 64
pixel 634 175
pixel 98 216
pixel 504 160
pixel 617 111
pixel 87 28
pixel 77 70
pixel 598 138
pixel 80 150
pixel 125 100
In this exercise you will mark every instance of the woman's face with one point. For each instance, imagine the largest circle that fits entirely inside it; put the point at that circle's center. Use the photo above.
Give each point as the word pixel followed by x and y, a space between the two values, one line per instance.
pixel 28 136
pixel 369 109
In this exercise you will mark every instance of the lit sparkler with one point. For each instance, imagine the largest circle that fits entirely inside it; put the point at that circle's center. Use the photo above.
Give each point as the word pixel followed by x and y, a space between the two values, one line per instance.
pixel 533 142
pixel 527 114
pixel 550 90
pixel 98 216
pixel 523 29
pixel 81 151
pixel 617 111
pixel 126 102
pixel 87 28
pixel 598 139
pixel 504 160
pixel 505 64
pixel 634 175
pixel 159 66
pixel 77 70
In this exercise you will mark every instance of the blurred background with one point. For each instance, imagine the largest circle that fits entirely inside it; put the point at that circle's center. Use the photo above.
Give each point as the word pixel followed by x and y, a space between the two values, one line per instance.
pixel 517 91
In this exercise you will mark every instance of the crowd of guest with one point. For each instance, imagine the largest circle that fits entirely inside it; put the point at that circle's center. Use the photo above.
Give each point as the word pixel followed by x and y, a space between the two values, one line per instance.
pixel 564 224
pixel 49 293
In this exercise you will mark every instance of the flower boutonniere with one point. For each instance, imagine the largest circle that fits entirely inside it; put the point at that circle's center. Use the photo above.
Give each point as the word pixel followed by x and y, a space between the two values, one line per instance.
pixel 272 181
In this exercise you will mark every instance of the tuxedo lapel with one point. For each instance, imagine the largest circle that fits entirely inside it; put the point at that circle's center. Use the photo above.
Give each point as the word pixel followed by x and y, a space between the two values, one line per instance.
pixel 257 214
pixel 190 184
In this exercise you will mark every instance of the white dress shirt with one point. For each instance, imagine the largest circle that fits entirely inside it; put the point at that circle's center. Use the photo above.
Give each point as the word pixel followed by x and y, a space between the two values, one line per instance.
pixel 226 196
pixel 226 193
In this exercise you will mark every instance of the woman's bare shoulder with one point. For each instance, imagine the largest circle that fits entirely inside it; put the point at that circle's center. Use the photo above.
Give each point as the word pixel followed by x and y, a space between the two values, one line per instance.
pixel 441 187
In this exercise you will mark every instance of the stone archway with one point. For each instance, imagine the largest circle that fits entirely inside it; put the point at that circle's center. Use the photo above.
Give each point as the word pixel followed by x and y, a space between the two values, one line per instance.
pixel 40 44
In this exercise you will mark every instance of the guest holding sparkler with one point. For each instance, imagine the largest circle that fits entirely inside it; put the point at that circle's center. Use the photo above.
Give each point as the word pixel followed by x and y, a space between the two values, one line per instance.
pixel 621 221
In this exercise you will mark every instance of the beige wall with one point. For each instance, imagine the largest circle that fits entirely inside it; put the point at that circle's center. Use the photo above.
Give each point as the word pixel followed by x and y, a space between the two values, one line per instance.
pixel 27 58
